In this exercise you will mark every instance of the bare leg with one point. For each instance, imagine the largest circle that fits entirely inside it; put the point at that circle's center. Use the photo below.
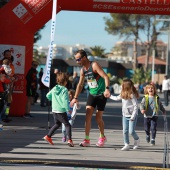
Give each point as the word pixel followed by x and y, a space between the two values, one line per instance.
pixel 28 104
pixel 89 113
pixel 100 122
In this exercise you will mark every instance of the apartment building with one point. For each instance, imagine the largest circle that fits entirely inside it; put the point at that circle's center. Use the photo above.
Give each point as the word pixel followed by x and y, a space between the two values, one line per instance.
pixel 63 51
pixel 123 51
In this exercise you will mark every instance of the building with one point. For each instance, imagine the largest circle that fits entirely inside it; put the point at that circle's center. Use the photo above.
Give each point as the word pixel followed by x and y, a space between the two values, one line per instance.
pixel 123 51
pixel 63 51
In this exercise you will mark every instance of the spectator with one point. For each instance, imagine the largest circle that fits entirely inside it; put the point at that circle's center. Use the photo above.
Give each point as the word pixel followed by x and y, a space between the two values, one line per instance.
pixel 86 87
pixel 69 84
pixel 11 76
pixel 40 74
pixel 157 86
pixel 53 78
pixel 75 80
pixel 3 79
pixel 31 87
pixel 43 90
pixel 165 89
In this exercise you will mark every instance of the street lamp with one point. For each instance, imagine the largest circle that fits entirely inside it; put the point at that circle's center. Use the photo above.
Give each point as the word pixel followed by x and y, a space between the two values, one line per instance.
pixel 168 45
pixel 153 64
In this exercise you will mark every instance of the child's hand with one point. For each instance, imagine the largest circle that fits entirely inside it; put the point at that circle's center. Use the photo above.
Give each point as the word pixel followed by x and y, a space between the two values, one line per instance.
pixel 143 111
pixel 73 101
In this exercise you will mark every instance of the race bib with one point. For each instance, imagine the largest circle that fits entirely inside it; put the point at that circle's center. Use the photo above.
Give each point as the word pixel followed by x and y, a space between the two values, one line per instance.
pixel 92 83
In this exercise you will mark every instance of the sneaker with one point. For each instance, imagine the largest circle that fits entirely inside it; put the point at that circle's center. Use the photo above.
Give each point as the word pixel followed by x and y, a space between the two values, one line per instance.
pixel 125 148
pixel 64 139
pixel 70 143
pixel 31 116
pixel 28 116
pixel 101 142
pixel 85 143
pixel 147 139
pixel 48 139
pixel 136 144
pixel 152 142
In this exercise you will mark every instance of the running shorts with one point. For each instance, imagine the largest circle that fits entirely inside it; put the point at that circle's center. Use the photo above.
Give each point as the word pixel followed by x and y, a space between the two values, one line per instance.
pixel 98 101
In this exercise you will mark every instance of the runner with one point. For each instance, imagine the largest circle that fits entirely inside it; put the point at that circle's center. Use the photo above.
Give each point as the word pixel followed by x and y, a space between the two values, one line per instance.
pixel 98 82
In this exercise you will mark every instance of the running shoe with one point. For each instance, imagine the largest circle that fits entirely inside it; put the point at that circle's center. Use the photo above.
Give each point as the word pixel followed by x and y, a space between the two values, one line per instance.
pixel 70 143
pixel 136 144
pixel 85 143
pixel 101 141
pixel 147 138
pixel 28 116
pixel 125 148
pixel 152 142
pixel 64 139
pixel 48 139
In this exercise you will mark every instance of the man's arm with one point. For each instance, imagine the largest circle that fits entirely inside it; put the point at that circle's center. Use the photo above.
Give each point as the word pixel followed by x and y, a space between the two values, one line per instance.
pixel 98 69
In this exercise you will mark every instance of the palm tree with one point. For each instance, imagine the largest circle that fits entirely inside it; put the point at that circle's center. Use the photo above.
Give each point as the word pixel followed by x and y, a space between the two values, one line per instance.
pixel 98 51
pixel 36 55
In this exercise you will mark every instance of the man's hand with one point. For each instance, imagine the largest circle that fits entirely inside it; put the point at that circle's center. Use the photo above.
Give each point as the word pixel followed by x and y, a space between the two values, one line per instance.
pixel 107 93
pixel 73 101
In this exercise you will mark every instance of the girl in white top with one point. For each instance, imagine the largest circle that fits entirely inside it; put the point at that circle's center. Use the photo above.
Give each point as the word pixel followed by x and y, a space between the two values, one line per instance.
pixel 129 97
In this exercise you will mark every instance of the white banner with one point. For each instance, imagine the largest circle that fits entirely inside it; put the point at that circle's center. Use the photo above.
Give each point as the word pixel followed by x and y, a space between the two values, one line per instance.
pixel 46 76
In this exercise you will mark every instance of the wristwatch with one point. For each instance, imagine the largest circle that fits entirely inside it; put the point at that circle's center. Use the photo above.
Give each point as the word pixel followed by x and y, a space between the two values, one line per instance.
pixel 107 87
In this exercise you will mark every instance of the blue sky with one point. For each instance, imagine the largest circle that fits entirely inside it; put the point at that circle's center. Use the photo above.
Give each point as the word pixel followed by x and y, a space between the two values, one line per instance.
pixel 72 28
pixel 86 28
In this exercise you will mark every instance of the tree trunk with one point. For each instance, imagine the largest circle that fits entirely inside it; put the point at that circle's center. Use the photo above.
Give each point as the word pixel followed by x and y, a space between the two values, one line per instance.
pixel 147 57
pixel 135 63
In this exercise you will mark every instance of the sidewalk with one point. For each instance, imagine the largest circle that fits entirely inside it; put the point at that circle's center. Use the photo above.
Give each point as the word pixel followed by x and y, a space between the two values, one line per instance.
pixel 22 142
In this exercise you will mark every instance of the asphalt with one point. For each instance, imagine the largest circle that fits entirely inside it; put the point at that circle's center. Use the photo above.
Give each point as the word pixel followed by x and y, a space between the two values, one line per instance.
pixel 21 142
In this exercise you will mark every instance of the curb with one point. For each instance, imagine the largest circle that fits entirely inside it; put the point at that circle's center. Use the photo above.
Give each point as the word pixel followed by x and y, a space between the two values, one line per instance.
pixel 77 164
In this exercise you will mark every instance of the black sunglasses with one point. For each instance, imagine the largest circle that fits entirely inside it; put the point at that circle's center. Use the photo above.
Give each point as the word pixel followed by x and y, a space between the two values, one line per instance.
pixel 79 59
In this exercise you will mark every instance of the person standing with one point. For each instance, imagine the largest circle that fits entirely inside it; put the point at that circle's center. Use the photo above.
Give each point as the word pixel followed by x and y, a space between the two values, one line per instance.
pixel 149 107
pixel 3 80
pixel 53 77
pixel 12 77
pixel 129 95
pixel 31 87
pixel 60 106
pixel 43 90
pixel 75 80
pixel 165 89
pixel 98 82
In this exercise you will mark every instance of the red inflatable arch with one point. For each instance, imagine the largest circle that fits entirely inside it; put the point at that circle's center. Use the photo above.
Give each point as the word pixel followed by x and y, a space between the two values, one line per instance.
pixel 20 19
